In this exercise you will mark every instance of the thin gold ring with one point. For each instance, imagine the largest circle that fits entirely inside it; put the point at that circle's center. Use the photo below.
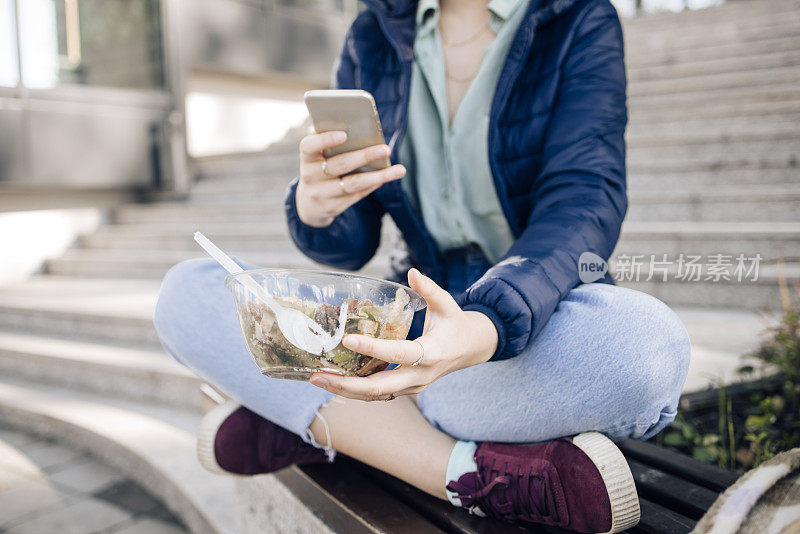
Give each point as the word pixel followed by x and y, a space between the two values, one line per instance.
pixel 325 168
pixel 390 398
pixel 419 361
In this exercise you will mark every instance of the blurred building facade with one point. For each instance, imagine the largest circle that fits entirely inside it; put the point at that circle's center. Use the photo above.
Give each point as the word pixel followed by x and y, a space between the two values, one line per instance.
pixel 93 93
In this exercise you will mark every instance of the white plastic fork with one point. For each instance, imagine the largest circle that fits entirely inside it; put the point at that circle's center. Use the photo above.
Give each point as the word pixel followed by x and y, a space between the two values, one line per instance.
pixel 298 328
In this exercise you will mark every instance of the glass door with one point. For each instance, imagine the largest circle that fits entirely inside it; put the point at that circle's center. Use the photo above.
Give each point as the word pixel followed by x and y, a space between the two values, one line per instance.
pixel 104 43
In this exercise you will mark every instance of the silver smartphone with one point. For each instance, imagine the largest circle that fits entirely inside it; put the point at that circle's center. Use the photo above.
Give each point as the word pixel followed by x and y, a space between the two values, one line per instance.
pixel 350 110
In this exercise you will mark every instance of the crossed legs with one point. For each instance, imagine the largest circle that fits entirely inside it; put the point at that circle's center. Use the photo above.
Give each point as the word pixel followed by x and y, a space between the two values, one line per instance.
pixel 610 359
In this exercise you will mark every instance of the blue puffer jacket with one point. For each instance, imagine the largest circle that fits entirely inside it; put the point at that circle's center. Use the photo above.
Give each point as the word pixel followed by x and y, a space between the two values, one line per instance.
pixel 556 151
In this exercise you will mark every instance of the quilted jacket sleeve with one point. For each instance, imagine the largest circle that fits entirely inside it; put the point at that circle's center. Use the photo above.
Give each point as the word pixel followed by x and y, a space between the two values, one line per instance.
pixel 579 196
pixel 351 240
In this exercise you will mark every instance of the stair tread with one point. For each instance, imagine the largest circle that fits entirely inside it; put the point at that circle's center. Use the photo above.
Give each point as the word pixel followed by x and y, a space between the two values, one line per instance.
pixel 736 229
pixel 787 192
pixel 118 298
pixel 92 353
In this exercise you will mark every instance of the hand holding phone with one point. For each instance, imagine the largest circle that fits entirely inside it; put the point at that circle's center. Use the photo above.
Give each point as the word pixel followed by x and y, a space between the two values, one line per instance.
pixel 345 159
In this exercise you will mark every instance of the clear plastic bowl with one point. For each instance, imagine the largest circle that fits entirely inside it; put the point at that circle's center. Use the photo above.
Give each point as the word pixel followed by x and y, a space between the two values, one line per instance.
pixel 377 307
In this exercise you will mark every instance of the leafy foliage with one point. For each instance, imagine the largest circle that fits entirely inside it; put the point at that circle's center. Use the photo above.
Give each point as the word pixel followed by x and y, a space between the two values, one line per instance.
pixel 748 430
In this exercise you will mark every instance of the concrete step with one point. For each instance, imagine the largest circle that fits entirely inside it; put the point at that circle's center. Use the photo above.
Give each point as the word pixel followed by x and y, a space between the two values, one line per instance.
pixel 714 131
pixel 673 44
pixel 699 19
pixel 764 106
pixel 144 264
pixel 241 188
pixel 715 82
pixel 643 57
pixel 720 338
pixel 689 34
pixel 150 445
pixel 267 182
pixel 763 204
pixel 729 99
pixel 144 375
pixel 724 28
pixel 235 188
pixel 267 164
pixel 642 181
pixel 770 239
pixel 762 99
pixel 177 233
pixel 764 293
pixel 716 65
pixel 732 154
pixel 178 236
pixel 241 191
pixel 150 263
pixel 110 311
pixel 175 236
pixel 664 162
pixel 265 214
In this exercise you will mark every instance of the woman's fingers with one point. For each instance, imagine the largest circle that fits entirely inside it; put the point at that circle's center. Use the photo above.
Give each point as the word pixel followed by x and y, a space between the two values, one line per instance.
pixel 349 161
pixel 311 146
pixel 374 387
pixel 362 181
pixel 393 351
pixel 437 298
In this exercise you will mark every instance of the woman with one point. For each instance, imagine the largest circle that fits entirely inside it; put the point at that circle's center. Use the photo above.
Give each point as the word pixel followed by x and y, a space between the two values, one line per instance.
pixel 507 121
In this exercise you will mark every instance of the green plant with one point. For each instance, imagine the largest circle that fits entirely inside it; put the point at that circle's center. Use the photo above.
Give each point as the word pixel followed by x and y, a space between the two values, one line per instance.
pixel 745 431
pixel 719 448
pixel 775 423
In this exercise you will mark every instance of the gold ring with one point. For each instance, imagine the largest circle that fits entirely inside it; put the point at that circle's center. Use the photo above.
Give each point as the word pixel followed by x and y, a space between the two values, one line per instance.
pixel 341 184
pixel 391 397
pixel 325 168
pixel 421 356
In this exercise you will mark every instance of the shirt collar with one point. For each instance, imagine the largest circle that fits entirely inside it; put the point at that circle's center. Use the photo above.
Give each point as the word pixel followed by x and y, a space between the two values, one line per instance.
pixel 503 9
pixel 427 16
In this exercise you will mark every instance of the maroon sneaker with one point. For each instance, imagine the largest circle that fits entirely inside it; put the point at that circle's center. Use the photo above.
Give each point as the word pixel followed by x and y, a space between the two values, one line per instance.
pixel 581 483
pixel 233 440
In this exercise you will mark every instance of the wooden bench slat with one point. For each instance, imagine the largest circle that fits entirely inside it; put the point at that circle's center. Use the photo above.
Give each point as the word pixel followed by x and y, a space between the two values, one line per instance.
pixel 448 517
pixel 350 502
pixel 677 494
pixel 680 465
pixel 674 491
pixel 659 520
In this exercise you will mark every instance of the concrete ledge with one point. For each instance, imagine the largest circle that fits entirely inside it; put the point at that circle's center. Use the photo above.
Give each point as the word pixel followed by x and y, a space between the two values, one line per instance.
pixel 142 375
pixel 265 504
pixel 157 455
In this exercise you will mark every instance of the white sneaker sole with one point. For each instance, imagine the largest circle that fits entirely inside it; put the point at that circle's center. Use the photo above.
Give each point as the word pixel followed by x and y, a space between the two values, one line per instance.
pixel 617 477
pixel 207 433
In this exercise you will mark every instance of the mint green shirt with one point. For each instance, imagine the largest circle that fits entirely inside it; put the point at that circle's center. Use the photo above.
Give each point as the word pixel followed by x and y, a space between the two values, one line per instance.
pixel 449 178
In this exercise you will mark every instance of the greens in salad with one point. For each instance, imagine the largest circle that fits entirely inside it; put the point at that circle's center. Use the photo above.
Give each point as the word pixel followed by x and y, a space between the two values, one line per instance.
pixel 271 349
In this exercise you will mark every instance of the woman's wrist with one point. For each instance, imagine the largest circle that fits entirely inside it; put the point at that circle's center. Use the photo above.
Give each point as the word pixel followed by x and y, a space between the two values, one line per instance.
pixel 483 335
pixel 300 202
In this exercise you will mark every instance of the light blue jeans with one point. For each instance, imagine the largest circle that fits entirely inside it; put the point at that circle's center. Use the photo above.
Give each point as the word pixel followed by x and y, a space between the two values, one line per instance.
pixel 610 359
